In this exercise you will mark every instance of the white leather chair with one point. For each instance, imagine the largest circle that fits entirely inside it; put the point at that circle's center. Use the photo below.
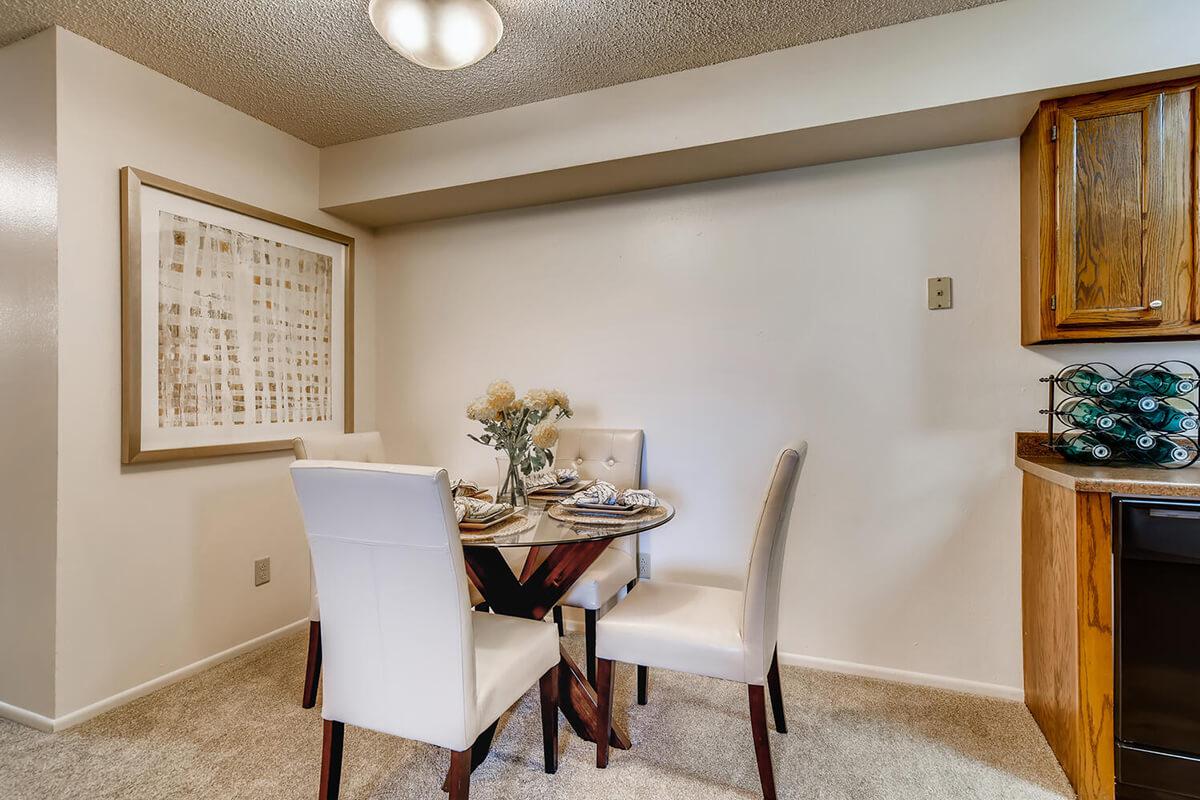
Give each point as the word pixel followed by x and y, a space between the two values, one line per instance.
pixel 404 652
pixel 360 447
pixel 702 630
pixel 615 456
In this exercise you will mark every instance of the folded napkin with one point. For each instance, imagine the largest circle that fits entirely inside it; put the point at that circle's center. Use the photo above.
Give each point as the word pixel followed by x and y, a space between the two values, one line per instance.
pixel 603 493
pixel 549 478
pixel 468 508
pixel 464 488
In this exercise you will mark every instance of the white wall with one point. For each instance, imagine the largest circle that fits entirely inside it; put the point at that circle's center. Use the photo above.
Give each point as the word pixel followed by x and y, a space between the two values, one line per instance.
pixel 727 318
pixel 155 562
pixel 28 366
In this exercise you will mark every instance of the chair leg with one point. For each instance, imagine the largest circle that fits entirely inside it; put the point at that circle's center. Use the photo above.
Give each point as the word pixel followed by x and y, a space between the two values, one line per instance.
pixel 776 693
pixel 643 677
pixel 762 745
pixel 548 687
pixel 331 760
pixel 589 635
pixel 459 779
pixel 312 669
pixel 604 696
pixel 558 620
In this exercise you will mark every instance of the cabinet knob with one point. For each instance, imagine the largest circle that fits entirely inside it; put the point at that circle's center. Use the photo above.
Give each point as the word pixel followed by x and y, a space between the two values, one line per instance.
pixel 1156 303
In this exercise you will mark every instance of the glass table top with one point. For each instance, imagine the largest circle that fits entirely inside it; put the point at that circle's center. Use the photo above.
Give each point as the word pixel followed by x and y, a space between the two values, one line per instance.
pixel 546 530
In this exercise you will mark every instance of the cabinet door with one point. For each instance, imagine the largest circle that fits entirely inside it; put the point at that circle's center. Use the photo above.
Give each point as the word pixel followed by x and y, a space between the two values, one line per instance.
pixel 1110 192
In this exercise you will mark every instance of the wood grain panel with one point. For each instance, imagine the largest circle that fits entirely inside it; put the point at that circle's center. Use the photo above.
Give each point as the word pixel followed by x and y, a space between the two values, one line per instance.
pixel 1096 776
pixel 1048 611
pixel 1037 227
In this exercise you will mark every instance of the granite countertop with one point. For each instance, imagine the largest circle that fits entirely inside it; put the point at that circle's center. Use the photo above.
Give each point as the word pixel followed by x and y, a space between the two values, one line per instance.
pixel 1034 457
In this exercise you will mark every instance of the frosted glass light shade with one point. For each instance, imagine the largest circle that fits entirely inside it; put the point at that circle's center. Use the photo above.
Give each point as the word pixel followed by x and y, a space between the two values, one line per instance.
pixel 438 34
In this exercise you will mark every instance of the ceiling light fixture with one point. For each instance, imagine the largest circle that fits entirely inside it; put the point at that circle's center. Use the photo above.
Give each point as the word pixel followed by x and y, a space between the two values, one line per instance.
pixel 438 34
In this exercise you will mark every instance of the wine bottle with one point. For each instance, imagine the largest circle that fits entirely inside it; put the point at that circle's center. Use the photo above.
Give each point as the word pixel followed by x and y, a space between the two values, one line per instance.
pixel 1166 451
pixel 1168 418
pixel 1083 412
pixel 1086 382
pixel 1084 447
pixel 1157 380
pixel 1126 399
pixel 1125 431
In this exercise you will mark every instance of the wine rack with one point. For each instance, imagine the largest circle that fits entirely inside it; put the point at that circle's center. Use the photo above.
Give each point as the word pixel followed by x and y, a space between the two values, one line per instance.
pixel 1145 415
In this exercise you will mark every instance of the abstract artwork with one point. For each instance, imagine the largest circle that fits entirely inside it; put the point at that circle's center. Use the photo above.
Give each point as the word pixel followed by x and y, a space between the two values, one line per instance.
pixel 240 339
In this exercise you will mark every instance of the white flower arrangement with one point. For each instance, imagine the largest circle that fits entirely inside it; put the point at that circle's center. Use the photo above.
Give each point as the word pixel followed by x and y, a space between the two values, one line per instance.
pixel 523 428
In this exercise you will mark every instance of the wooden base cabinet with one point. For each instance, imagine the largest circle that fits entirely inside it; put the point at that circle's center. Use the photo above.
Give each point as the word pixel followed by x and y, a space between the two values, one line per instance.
pixel 1108 209
pixel 1066 609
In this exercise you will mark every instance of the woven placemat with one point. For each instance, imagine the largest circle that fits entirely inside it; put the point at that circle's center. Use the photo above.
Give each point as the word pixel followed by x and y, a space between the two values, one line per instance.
pixel 560 513
pixel 518 523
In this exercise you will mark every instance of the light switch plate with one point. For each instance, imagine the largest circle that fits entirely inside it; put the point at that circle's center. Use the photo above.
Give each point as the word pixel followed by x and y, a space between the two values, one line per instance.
pixel 940 295
pixel 262 571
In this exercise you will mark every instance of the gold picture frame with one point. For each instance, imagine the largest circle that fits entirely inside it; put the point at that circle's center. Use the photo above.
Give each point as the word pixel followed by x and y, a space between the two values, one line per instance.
pixel 134 450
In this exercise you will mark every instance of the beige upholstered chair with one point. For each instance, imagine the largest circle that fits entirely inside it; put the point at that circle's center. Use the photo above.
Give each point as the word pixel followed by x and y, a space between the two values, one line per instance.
pixel 405 654
pixel 366 448
pixel 720 633
pixel 615 456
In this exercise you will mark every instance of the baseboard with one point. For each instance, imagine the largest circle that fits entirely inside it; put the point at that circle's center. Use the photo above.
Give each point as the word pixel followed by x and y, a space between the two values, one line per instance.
pixel 121 698
pixel 26 717
pixel 904 676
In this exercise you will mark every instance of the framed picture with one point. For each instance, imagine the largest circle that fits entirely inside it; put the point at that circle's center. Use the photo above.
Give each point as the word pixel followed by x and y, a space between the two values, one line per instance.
pixel 237 325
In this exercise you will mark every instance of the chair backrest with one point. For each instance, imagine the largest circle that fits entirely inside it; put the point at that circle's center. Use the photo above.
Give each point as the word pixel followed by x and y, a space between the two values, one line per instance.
pixel 760 612
pixel 396 630
pixel 363 447
pixel 608 454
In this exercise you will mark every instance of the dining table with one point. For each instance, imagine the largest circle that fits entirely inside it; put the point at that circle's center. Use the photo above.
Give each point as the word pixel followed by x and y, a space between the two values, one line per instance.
pixel 557 553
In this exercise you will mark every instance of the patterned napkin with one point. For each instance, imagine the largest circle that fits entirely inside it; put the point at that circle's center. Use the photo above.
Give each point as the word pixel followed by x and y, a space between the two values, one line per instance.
pixel 464 488
pixel 550 477
pixel 469 509
pixel 603 493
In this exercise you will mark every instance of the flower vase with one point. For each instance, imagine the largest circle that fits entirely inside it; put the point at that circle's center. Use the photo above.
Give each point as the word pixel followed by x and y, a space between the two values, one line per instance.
pixel 511 486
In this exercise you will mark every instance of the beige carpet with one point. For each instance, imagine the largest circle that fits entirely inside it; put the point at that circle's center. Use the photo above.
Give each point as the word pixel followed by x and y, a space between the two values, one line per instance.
pixel 237 731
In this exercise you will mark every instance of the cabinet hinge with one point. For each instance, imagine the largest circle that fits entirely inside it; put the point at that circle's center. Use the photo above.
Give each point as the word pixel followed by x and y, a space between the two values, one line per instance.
pixel 1054 133
pixel 1053 302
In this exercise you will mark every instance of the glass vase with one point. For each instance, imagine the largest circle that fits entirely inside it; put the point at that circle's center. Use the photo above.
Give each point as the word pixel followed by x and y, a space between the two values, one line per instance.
pixel 510 485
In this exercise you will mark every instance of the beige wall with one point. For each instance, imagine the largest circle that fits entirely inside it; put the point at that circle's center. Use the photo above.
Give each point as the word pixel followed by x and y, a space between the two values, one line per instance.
pixel 28 366
pixel 725 319
pixel 156 561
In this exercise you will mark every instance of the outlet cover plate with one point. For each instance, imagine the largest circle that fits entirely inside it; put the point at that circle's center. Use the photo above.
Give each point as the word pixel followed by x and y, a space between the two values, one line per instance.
pixel 940 295
pixel 644 566
pixel 262 571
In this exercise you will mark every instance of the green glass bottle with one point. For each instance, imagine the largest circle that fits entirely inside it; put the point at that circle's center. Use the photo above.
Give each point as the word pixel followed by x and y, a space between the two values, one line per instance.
pixel 1084 447
pixel 1085 382
pixel 1083 412
pixel 1169 419
pixel 1127 432
pixel 1160 381
pixel 1128 400
pixel 1166 451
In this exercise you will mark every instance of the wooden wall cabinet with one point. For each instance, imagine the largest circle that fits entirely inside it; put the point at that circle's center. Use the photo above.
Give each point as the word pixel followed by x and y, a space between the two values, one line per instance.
pixel 1108 209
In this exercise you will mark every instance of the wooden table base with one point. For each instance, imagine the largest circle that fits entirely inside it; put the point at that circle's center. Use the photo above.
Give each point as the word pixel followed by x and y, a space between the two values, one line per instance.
pixel 532 596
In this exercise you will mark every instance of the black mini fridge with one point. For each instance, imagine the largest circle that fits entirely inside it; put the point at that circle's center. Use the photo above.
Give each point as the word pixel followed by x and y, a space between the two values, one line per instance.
pixel 1157 641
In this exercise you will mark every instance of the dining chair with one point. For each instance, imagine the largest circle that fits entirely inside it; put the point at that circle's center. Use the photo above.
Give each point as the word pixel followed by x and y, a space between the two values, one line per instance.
pixel 615 456
pixel 366 447
pixel 703 630
pixel 404 652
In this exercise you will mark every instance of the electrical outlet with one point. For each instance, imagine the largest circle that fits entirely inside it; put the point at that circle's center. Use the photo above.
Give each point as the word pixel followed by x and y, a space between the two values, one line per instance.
pixel 262 571
pixel 644 565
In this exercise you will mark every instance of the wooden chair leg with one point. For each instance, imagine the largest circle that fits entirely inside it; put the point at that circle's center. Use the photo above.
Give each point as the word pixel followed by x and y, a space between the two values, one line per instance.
pixel 558 620
pixel 548 687
pixel 331 760
pixel 589 635
pixel 459 779
pixel 604 697
pixel 762 744
pixel 643 674
pixel 312 668
pixel 776 693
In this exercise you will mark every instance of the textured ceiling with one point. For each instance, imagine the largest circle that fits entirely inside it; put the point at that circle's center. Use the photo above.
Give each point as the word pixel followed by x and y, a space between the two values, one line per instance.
pixel 317 69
